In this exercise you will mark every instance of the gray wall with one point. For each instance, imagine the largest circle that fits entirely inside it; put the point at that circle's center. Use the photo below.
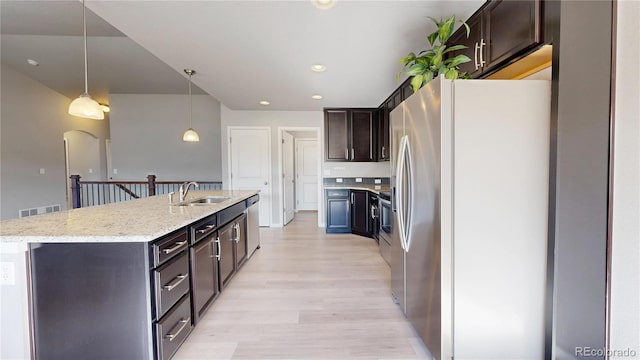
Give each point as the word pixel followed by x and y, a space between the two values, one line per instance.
pixel 34 119
pixel 625 277
pixel 146 137
pixel 579 177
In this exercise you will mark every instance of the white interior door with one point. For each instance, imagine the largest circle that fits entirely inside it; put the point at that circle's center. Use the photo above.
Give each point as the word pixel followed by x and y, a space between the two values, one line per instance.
pixel 250 165
pixel 307 174
pixel 288 177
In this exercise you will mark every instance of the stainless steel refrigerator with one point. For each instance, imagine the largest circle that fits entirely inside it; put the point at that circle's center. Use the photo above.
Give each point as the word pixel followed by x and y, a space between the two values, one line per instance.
pixel 470 163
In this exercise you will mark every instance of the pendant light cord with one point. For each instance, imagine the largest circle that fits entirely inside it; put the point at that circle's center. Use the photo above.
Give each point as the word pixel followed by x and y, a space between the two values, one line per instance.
pixel 190 101
pixel 86 67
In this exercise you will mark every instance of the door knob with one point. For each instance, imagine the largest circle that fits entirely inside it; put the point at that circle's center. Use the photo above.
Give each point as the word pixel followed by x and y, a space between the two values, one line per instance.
pixel 266 183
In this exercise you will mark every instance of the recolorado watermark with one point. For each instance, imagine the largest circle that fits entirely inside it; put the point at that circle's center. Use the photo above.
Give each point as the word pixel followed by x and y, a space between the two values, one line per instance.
pixel 587 351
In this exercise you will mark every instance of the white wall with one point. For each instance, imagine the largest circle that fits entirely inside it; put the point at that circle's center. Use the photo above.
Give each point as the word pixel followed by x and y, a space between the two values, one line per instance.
pixel 625 280
pixel 34 119
pixel 146 137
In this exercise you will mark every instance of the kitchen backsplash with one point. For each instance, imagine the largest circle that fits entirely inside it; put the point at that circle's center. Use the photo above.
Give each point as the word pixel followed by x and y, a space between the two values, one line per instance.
pixel 356 181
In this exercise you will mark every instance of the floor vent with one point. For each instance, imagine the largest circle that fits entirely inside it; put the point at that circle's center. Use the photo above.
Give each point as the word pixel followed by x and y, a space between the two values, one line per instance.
pixel 39 210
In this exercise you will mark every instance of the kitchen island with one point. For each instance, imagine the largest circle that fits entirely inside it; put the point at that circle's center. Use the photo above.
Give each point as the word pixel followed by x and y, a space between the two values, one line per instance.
pixel 123 280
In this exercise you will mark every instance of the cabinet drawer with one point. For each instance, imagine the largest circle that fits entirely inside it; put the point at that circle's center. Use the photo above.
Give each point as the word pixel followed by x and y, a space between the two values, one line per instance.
pixel 171 282
pixel 338 193
pixel 169 246
pixel 173 329
pixel 203 228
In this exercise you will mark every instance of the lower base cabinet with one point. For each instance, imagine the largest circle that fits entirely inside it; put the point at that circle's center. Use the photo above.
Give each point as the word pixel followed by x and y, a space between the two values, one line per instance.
pixel 204 271
pixel 338 209
pixel 138 300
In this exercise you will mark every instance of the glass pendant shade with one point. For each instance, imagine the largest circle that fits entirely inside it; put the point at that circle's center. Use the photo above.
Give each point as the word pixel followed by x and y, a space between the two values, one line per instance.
pixel 84 106
pixel 190 135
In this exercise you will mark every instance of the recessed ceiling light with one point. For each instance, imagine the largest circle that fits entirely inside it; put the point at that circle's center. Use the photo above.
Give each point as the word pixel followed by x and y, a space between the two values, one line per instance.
pixel 324 4
pixel 318 67
pixel 33 62
pixel 316 97
pixel 264 102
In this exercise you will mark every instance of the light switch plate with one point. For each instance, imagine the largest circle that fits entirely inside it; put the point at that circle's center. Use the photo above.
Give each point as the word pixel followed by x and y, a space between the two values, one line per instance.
pixel 42 171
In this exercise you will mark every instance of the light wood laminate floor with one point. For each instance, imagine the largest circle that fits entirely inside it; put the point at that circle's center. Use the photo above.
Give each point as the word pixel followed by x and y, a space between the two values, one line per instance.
pixel 306 295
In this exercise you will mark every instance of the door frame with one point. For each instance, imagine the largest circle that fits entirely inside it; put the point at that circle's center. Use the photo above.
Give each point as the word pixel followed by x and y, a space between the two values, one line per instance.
pixel 284 197
pixel 318 131
pixel 270 175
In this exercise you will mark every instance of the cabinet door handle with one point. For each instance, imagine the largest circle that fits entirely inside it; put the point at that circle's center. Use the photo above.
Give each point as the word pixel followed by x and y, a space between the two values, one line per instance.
pixel 175 282
pixel 206 228
pixel 346 153
pixel 373 212
pixel 482 45
pixel 180 325
pixel 218 244
pixel 238 233
pixel 176 247
pixel 383 152
pixel 352 197
pixel 475 56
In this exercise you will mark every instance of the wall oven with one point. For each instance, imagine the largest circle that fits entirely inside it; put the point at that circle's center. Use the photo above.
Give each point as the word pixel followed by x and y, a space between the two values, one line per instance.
pixel 384 225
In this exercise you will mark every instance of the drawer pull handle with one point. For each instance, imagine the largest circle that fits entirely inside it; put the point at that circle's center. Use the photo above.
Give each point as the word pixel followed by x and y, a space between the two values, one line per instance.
pixel 176 247
pixel 180 325
pixel 175 282
pixel 206 228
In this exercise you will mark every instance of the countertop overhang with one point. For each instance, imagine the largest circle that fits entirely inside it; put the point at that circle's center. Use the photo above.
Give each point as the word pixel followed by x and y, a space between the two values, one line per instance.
pixel 139 220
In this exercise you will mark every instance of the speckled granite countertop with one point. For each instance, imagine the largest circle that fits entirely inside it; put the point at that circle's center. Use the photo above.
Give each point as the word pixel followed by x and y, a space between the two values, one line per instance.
pixel 373 188
pixel 139 220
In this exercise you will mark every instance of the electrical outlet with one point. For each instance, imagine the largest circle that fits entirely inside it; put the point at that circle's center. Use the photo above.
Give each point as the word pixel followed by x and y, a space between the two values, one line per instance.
pixel 7 273
pixel 377 181
pixel 358 180
pixel 338 180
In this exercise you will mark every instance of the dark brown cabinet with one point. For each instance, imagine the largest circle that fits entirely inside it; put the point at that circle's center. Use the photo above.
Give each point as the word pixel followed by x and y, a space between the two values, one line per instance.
pixel 227 262
pixel 360 213
pixel 240 224
pixel 500 31
pixel 350 134
pixel 338 209
pixel 205 275
pixel 383 131
pixel 337 134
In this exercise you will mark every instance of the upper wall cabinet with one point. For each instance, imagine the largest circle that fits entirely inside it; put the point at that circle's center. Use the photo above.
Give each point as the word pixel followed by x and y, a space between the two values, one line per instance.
pixel 500 31
pixel 350 134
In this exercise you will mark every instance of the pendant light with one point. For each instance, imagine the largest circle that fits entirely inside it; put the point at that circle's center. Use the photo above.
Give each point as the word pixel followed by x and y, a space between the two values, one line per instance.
pixel 190 135
pixel 84 106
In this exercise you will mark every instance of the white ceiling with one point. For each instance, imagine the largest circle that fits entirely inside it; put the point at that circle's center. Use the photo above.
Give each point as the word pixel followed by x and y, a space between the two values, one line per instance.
pixel 244 51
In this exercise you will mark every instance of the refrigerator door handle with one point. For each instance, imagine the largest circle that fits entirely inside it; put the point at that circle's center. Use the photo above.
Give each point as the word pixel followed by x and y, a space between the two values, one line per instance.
pixel 407 221
pixel 400 191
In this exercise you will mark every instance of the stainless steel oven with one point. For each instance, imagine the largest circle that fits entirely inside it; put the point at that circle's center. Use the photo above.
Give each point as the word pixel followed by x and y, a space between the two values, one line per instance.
pixel 384 225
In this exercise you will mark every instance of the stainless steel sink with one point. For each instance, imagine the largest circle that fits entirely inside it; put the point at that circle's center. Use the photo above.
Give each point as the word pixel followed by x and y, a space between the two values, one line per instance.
pixel 204 201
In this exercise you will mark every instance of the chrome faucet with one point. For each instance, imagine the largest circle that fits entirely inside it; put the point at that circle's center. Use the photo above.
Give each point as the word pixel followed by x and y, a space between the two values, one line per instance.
pixel 184 189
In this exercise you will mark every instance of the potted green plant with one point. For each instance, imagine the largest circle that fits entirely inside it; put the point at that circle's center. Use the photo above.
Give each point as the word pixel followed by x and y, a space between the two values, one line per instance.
pixel 432 62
